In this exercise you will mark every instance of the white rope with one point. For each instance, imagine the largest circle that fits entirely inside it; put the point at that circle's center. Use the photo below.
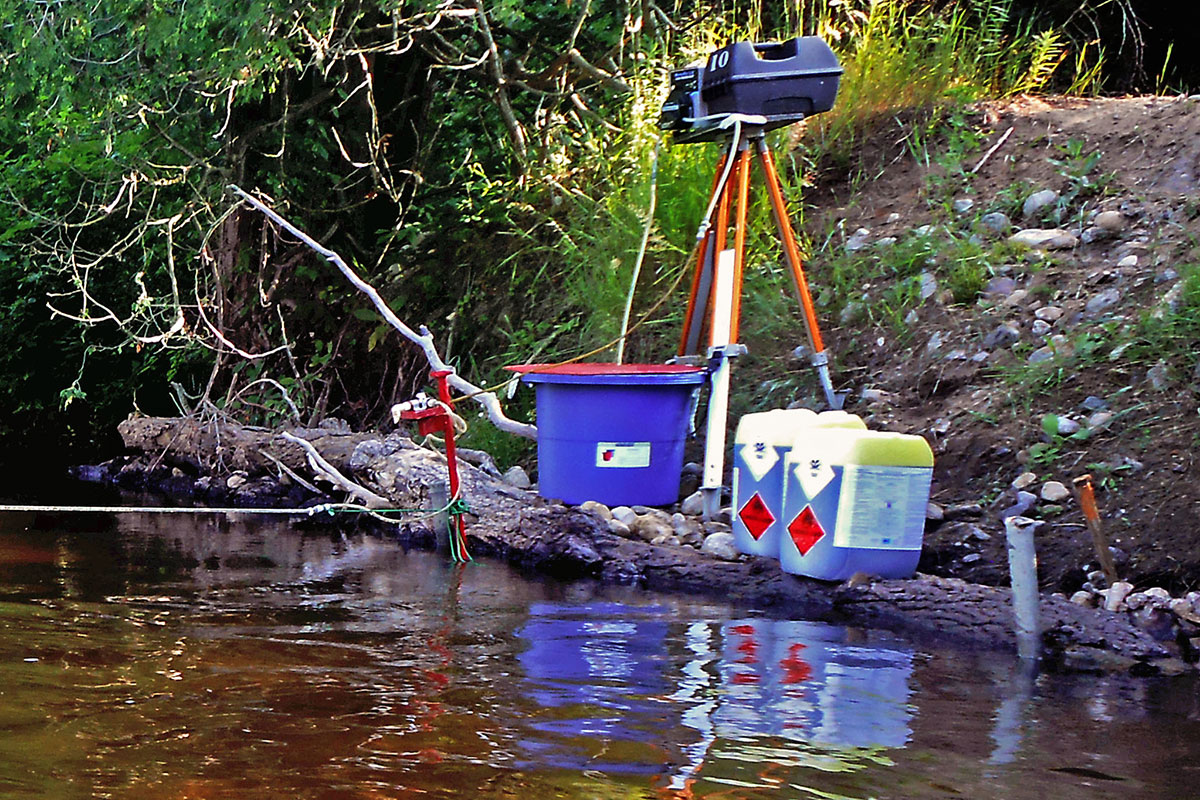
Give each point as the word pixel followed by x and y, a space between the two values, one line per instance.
pixel 308 511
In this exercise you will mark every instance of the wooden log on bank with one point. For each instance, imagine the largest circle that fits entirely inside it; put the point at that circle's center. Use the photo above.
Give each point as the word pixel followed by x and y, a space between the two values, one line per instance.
pixel 551 538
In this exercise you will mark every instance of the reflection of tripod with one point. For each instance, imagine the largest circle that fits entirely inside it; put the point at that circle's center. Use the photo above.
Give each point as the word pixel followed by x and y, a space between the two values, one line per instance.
pixel 717 287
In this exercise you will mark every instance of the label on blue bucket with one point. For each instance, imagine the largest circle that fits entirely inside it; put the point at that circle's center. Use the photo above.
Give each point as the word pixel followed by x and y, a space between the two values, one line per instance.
pixel 623 455
pixel 882 508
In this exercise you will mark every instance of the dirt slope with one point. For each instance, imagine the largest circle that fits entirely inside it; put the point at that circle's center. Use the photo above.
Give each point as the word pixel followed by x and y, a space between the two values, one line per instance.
pixel 968 389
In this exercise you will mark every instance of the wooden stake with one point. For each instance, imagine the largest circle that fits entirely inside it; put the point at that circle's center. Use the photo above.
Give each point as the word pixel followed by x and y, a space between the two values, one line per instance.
pixel 1087 502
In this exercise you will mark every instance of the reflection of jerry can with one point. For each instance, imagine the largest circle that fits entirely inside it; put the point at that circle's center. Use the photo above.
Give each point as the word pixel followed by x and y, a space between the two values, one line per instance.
pixel 759 447
pixel 854 501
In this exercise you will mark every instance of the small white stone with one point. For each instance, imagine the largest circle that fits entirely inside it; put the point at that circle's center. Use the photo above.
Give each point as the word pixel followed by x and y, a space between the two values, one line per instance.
pixel 619 528
pixel 1085 599
pixel 1024 480
pixel 1049 313
pixel 693 504
pixel 596 509
pixel 1054 492
pixel 720 545
pixel 1045 238
pixel 624 514
pixel 1037 201
pixel 1128 261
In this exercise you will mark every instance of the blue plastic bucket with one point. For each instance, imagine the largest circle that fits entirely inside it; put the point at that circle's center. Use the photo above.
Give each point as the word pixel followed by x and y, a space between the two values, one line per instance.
pixel 613 433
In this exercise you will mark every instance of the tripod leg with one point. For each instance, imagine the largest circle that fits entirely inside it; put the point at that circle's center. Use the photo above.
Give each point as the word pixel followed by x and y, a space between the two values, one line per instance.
pixel 697 308
pixel 723 333
pixel 791 252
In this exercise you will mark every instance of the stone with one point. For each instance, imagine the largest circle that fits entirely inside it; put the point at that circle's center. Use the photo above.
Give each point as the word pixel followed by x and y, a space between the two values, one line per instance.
pixel 649 527
pixel 1054 492
pixel 693 468
pixel 893 218
pixel 1184 609
pixel 1040 327
pixel 721 546
pixel 1040 355
pixel 963 511
pixel 1044 239
pixel 934 512
pixel 1049 314
pixel 1085 599
pixel 1000 287
pixel 1018 298
pixel 1024 480
pixel 1099 303
pixel 668 539
pixel 1062 345
pixel 1128 262
pixel 971 558
pixel 886 241
pixel 619 528
pixel 1100 419
pixel 850 313
pixel 1093 403
pixel 596 510
pixel 929 285
pixel 624 514
pixel 1111 221
pixel 236 480
pixel 1067 426
pixel 1114 596
pixel 517 477
pixel 996 222
pixel 1158 377
pixel 693 504
pixel 1094 234
pixel 1038 201
pixel 1002 336
pixel 858 240
pixel 963 205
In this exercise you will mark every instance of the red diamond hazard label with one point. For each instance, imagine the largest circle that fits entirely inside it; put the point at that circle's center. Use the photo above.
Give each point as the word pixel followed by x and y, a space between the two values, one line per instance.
pixel 756 516
pixel 805 530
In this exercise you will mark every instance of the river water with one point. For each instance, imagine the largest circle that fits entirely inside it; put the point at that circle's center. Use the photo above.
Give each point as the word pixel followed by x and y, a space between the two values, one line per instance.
pixel 155 656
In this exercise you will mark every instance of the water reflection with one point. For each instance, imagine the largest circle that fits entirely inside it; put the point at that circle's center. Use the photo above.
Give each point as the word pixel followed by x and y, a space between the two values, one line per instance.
pixel 732 685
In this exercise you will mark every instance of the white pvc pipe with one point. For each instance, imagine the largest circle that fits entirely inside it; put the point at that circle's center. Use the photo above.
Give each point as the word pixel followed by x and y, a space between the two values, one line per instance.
pixel 718 397
pixel 1022 567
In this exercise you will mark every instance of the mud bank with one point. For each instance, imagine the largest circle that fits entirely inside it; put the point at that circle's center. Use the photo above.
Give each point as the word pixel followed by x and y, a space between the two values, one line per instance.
pixel 226 464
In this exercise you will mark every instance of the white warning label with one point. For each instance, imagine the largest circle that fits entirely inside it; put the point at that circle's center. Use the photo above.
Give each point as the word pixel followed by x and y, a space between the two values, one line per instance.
pixel 623 455
pixel 760 457
pixel 882 508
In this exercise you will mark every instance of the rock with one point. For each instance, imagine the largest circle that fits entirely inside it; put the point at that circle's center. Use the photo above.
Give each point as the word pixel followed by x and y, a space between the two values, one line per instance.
pixel 929 285
pixel 893 218
pixel 1093 403
pixel 999 287
pixel 668 539
pixel 996 222
pixel 335 426
pixel 1099 303
pixel 1094 234
pixel 1067 426
pixel 858 240
pixel 1049 314
pixel 1054 492
pixel 886 241
pixel 694 468
pixel 596 510
pixel 1003 336
pixel 1040 355
pixel 934 512
pixel 619 528
pixel 1038 201
pixel 1158 622
pixel 1062 345
pixel 714 526
pixel 1158 596
pixel 1085 599
pixel 1040 327
pixel 1100 419
pixel 870 396
pixel 1044 238
pixel 1185 610
pixel 1024 480
pixel 1018 298
pixel 850 313
pixel 1128 262
pixel 236 480
pixel 963 205
pixel 1111 221
pixel 1158 377
pixel 624 514
pixel 517 477
pixel 963 511
pixel 693 504
pixel 649 527
pixel 1115 595
pixel 720 545
pixel 971 558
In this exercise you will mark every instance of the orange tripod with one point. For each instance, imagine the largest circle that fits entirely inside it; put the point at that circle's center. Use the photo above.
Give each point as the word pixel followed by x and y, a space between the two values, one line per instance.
pixel 717 286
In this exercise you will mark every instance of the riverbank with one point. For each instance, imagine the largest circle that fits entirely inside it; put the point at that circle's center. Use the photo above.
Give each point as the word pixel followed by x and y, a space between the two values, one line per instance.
pixel 259 468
